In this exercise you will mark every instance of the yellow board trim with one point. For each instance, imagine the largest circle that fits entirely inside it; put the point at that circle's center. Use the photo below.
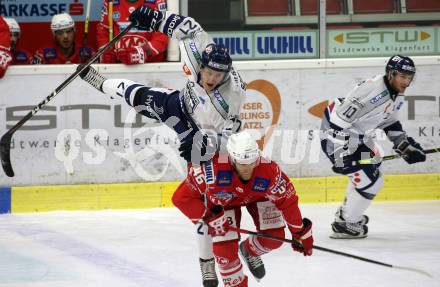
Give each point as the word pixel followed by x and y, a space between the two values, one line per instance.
pixel 158 194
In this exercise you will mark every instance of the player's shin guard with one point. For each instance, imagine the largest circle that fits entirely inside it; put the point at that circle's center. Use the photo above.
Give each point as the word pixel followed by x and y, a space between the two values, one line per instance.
pixel 350 221
pixel 253 247
pixel 359 199
pixel 207 263
pixel 230 267
pixel 204 242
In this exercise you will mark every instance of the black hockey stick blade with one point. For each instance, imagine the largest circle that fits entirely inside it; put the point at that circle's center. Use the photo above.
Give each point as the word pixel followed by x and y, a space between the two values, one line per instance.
pixel 375 160
pixel 263 235
pixel 5 154
pixel 5 141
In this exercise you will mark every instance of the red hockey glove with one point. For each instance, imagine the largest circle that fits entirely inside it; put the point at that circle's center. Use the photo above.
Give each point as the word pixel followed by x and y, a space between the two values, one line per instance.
pixel 304 239
pixel 5 60
pixel 218 224
pixel 109 57
pixel 132 55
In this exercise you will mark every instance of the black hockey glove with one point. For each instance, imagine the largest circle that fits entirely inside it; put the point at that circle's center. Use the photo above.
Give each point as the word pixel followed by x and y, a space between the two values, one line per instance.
pixel 410 150
pixel 146 18
pixel 185 149
pixel 198 148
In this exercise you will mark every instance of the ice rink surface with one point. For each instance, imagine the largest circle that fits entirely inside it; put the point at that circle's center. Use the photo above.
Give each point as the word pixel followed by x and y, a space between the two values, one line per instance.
pixel 156 247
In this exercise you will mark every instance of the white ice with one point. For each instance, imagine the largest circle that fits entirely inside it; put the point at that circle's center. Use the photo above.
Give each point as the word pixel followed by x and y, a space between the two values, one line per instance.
pixel 156 248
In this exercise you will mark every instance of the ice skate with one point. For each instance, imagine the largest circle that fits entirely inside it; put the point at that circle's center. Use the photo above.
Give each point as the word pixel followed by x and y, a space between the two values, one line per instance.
pixel 338 217
pixel 209 276
pixel 348 230
pixel 254 263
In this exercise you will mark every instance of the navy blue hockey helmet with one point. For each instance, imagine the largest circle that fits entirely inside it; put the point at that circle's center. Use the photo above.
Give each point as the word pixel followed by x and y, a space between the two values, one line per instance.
pixel 216 57
pixel 401 64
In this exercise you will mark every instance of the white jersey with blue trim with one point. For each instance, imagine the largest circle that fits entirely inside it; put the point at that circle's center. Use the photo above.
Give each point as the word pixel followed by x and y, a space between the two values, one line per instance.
pixel 371 105
pixel 217 110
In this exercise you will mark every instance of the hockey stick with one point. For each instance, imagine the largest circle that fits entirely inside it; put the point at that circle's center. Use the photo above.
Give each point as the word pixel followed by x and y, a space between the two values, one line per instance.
pixel 110 20
pixel 5 141
pixel 375 160
pixel 86 29
pixel 259 234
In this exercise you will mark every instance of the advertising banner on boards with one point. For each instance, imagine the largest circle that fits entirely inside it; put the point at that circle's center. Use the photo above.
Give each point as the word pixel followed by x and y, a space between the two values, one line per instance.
pixel 31 11
pixel 289 44
pixel 84 136
pixel 382 42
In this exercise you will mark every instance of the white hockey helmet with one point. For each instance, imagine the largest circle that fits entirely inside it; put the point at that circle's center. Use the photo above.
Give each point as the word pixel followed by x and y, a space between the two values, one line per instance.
pixel 61 21
pixel 243 148
pixel 13 25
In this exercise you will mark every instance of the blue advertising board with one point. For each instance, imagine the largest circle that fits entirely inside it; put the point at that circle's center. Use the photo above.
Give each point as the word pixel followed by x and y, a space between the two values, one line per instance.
pixel 288 44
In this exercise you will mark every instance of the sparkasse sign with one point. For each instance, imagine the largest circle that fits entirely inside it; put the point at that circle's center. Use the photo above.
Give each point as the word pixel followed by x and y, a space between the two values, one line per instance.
pixel 26 11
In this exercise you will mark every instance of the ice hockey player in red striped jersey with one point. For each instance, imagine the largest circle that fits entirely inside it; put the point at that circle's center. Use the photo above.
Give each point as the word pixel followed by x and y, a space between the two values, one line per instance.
pixel 64 49
pixel 19 56
pixel 243 178
pixel 5 47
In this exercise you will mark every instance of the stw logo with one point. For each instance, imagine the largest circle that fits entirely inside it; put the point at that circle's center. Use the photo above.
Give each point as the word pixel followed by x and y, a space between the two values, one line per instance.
pixel 76 8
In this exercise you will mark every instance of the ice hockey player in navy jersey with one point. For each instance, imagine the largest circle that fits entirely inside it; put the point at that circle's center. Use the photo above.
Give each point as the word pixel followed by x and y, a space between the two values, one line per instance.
pixel 203 114
pixel 347 126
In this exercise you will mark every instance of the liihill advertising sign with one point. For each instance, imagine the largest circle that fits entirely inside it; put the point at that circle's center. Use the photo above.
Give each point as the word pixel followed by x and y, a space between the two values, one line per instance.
pixel 286 44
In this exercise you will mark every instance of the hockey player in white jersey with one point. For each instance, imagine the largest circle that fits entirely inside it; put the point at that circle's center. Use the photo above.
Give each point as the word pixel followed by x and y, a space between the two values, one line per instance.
pixel 346 125
pixel 203 114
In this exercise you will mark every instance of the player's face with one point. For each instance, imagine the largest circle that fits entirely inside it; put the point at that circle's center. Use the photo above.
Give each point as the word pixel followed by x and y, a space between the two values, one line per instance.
pixel 400 81
pixel 14 39
pixel 245 170
pixel 210 78
pixel 65 38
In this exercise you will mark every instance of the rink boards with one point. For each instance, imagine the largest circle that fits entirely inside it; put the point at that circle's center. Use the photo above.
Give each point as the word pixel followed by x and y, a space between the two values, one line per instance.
pixel 82 139
pixel 158 194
